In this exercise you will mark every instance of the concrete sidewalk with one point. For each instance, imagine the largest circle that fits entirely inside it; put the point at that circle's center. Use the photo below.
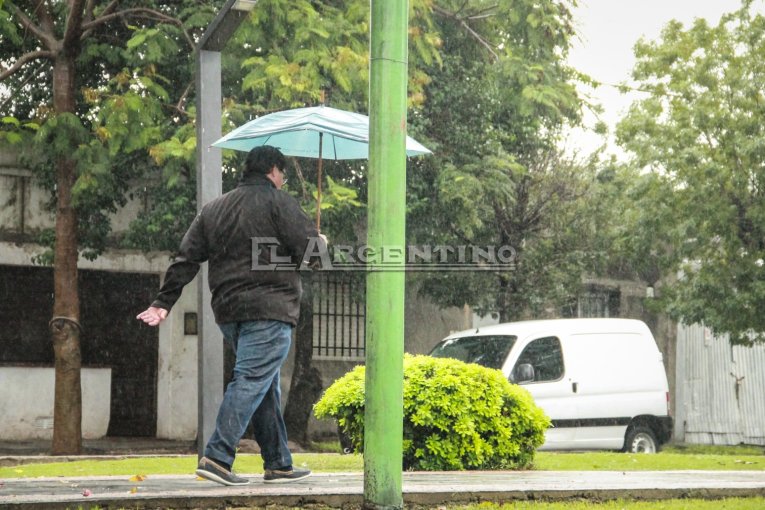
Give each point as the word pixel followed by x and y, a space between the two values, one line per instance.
pixel 344 489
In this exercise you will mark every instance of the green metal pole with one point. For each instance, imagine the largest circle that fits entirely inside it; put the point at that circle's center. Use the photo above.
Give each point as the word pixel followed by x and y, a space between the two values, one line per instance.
pixel 383 420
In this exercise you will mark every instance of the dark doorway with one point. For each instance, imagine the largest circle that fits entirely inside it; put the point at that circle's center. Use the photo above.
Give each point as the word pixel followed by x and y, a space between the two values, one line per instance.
pixel 112 337
pixel 110 302
pixel 26 306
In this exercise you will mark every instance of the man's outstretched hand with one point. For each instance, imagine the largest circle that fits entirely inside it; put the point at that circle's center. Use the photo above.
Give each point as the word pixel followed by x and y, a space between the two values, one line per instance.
pixel 152 315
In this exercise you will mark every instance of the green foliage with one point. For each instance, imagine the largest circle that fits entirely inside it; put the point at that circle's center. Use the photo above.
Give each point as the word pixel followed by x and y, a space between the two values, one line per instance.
pixel 297 49
pixel 338 196
pixel 151 45
pixel 134 76
pixel 14 132
pixel 492 115
pixel 301 48
pixel 488 90
pixel 456 416
pixel 61 134
pixel 700 134
pixel 636 239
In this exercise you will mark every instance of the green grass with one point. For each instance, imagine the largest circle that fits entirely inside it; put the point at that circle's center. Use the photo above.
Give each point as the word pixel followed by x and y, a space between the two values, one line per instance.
pixel 715 449
pixel 664 461
pixel 325 447
pixel 675 458
pixel 245 463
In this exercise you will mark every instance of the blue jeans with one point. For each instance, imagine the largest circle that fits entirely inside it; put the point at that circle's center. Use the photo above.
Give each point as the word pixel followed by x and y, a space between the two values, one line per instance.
pixel 254 394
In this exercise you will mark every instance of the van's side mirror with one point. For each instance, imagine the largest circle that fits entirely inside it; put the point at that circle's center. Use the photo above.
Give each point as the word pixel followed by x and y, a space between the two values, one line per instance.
pixel 522 374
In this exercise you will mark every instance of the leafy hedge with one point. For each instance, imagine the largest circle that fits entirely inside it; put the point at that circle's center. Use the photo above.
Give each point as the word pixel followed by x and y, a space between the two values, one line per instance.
pixel 456 416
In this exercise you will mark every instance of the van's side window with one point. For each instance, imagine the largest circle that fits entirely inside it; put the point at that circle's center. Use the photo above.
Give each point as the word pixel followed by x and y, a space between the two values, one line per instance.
pixel 546 357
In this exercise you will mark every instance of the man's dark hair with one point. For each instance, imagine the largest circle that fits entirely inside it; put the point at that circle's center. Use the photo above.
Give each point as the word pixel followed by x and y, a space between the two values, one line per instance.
pixel 262 159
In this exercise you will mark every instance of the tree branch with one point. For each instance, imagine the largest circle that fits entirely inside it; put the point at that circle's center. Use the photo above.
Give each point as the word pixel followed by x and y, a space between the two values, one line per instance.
pixel 180 105
pixel 110 8
pixel 473 33
pixel 32 55
pixel 46 38
pixel 301 178
pixel 480 16
pixel 462 7
pixel 73 25
pixel 89 15
pixel 107 10
pixel 459 234
pixel 20 87
pixel 141 12
pixel 46 20
pixel 484 13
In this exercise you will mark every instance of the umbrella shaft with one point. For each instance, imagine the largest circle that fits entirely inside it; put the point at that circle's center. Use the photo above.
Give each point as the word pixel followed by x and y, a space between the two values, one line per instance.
pixel 318 191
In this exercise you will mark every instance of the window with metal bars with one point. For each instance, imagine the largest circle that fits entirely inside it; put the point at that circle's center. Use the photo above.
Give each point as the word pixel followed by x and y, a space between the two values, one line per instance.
pixel 339 315
pixel 594 301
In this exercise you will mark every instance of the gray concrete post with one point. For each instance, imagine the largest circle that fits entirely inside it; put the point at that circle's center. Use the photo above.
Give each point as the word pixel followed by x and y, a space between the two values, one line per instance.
pixel 209 186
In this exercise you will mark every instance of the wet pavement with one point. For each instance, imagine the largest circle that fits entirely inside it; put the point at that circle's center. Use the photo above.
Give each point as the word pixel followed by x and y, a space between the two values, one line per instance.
pixel 346 489
pixel 336 489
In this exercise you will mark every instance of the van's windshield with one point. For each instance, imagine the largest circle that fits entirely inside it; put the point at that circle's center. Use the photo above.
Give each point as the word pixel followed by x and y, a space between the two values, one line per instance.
pixel 487 351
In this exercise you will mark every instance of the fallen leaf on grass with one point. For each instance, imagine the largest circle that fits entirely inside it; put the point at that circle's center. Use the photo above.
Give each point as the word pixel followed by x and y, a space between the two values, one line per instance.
pixel 138 478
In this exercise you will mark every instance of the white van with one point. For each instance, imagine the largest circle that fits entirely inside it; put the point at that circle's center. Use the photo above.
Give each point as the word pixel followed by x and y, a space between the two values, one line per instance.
pixel 601 381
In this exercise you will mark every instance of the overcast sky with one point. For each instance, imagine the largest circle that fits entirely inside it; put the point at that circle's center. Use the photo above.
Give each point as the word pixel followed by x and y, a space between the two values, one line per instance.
pixel 608 31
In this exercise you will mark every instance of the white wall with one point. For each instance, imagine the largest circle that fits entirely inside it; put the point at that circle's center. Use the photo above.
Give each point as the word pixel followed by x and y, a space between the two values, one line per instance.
pixel 177 363
pixel 23 211
pixel 26 402
pixel 177 372
pixel 23 203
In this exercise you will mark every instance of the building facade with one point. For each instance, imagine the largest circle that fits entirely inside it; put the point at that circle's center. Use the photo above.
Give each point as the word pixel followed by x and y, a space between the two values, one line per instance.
pixel 151 373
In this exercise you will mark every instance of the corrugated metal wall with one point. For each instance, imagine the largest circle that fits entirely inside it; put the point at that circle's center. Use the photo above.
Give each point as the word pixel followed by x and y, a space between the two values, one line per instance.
pixel 720 397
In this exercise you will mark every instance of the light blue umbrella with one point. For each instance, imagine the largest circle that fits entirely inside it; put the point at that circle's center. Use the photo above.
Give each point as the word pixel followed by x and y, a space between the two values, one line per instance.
pixel 316 132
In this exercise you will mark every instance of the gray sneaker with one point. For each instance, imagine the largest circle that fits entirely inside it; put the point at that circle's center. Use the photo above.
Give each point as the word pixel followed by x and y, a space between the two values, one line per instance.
pixel 286 475
pixel 210 470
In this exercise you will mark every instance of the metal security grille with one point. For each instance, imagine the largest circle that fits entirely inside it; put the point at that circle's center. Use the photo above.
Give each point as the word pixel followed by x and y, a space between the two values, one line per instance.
pixel 594 304
pixel 339 315
pixel 594 301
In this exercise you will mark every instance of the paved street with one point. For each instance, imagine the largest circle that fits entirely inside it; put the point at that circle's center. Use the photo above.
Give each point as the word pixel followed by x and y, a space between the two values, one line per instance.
pixel 339 489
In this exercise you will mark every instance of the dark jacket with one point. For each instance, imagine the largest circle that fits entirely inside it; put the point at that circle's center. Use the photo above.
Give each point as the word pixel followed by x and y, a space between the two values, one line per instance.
pixel 223 235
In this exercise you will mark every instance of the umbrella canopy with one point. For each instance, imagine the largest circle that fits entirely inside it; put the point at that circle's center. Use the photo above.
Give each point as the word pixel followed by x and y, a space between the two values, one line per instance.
pixel 317 132
pixel 314 132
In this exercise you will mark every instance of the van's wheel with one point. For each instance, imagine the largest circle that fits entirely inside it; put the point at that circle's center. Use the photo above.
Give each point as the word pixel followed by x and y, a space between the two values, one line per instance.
pixel 641 440
pixel 346 445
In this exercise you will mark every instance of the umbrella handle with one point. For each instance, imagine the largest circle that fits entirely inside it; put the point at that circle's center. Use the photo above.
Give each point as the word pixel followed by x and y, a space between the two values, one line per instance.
pixel 318 191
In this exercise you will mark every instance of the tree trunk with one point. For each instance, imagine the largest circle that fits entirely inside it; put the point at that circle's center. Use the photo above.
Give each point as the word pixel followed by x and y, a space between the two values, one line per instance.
pixel 67 412
pixel 502 298
pixel 65 327
pixel 306 384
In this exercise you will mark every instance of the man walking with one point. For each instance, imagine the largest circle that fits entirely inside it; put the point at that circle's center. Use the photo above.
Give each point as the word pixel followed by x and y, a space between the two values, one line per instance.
pixel 255 309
